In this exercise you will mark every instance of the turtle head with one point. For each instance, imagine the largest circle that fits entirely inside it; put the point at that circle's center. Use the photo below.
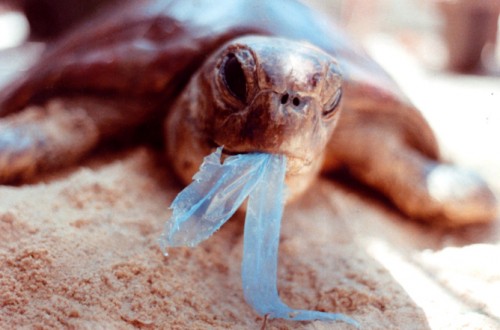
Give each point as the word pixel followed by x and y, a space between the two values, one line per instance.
pixel 274 95
pixel 263 94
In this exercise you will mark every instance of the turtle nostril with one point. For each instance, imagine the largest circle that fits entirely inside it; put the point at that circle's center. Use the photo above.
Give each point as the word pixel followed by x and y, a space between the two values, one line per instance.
pixel 284 98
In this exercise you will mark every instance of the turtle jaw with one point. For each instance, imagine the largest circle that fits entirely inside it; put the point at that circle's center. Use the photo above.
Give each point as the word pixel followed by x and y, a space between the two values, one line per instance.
pixel 295 165
pixel 300 172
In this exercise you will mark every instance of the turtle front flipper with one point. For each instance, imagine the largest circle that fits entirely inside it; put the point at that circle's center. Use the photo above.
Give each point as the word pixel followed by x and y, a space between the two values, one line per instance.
pixel 60 132
pixel 395 152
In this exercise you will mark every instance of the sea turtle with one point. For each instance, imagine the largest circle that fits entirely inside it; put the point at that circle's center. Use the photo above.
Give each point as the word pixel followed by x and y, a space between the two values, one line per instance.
pixel 273 76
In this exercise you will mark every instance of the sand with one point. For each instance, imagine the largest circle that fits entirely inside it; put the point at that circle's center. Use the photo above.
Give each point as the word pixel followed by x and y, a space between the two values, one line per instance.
pixel 78 249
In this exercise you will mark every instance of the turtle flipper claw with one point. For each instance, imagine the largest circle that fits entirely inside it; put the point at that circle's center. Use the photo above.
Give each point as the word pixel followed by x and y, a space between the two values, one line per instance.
pixel 421 187
pixel 463 195
pixel 42 138
pixel 432 191
pixel 63 131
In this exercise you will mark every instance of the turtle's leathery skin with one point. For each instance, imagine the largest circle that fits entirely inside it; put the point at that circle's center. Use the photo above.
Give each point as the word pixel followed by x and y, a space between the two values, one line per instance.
pixel 146 59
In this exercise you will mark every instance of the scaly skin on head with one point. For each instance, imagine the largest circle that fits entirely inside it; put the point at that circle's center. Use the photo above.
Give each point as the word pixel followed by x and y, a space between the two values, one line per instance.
pixel 258 94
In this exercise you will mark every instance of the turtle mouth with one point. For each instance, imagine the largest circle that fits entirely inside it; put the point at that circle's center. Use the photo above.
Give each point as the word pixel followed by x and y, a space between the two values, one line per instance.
pixel 295 165
pixel 234 152
pixel 228 152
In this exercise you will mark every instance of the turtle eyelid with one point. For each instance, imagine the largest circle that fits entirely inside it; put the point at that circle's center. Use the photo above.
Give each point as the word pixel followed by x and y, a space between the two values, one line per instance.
pixel 333 104
pixel 234 77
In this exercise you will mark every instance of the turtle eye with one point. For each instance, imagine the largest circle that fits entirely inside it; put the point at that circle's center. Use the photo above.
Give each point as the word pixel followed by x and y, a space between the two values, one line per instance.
pixel 234 77
pixel 333 104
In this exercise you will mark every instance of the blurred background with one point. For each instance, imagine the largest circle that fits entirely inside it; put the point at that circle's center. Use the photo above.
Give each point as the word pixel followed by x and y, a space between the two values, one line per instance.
pixel 445 55
pixel 458 34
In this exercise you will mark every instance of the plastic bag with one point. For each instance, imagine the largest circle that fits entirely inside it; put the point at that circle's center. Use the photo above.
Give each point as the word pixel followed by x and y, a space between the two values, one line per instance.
pixel 215 194
pixel 211 199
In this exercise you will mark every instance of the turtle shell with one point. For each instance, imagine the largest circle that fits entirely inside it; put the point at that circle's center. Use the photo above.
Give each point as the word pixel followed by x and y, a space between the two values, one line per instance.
pixel 150 49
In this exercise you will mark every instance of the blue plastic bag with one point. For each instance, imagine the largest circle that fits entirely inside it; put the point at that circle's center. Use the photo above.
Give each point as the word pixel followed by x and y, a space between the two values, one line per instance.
pixel 211 199
pixel 215 194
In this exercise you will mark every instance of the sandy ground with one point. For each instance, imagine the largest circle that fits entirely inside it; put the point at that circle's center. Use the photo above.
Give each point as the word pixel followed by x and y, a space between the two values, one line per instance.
pixel 79 250
pixel 78 247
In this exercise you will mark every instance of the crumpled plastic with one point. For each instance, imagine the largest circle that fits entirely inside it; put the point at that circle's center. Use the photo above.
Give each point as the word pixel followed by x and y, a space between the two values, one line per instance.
pixel 215 194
